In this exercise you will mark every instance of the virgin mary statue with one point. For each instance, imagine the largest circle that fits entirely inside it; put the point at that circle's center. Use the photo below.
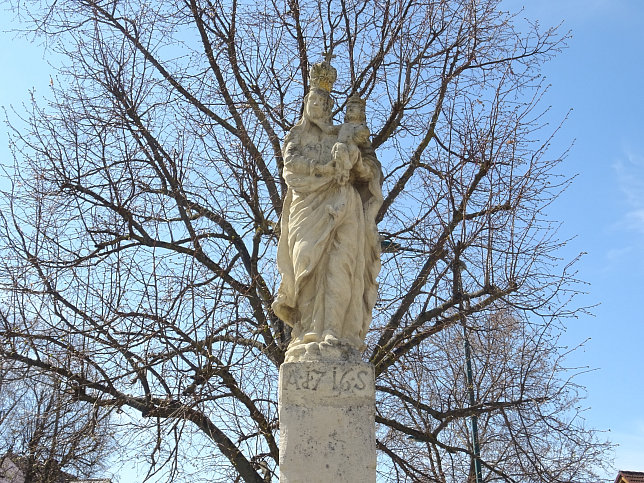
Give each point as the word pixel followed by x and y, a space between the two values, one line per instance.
pixel 329 250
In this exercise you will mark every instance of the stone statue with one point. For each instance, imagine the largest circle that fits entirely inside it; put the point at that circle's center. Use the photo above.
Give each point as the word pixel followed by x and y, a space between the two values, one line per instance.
pixel 352 134
pixel 329 248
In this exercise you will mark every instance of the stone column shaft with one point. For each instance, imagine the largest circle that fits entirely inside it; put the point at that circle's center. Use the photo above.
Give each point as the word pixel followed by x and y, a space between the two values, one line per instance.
pixel 327 428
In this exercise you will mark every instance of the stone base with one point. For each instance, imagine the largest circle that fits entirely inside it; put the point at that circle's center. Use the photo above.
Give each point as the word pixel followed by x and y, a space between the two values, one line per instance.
pixel 327 428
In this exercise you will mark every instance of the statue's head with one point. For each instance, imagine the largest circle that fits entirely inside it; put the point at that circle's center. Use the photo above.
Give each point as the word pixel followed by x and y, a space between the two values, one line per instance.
pixel 318 103
pixel 355 110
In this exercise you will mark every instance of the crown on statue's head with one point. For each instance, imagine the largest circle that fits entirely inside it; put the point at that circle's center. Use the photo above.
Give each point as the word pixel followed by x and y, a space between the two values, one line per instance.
pixel 322 74
pixel 356 100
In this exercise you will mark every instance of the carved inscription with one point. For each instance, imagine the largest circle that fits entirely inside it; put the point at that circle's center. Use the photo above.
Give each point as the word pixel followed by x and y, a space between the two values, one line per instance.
pixel 308 379
pixel 348 379
pixel 336 378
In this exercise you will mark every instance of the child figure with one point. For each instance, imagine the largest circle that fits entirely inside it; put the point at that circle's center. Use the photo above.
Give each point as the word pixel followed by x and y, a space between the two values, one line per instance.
pixel 352 134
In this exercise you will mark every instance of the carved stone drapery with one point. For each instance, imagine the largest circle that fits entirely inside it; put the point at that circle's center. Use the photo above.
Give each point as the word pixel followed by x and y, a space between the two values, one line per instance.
pixel 329 249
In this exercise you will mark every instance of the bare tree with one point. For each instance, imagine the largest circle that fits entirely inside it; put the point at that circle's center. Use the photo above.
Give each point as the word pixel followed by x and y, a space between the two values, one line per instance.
pixel 46 431
pixel 139 234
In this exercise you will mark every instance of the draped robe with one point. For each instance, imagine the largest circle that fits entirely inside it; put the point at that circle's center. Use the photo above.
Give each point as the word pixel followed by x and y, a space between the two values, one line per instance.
pixel 329 249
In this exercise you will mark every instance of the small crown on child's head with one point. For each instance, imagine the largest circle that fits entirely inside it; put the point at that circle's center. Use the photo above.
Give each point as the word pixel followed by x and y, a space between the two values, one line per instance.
pixel 355 99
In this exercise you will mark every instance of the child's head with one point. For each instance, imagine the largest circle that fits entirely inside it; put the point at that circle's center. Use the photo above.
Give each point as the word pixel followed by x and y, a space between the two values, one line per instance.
pixel 355 110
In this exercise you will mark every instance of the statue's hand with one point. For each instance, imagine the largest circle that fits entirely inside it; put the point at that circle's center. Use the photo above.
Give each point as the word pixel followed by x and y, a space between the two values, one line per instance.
pixel 341 162
pixel 341 175
pixel 327 169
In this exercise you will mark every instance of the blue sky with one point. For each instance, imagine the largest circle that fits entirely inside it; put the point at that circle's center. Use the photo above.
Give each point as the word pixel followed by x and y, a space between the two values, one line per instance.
pixel 601 77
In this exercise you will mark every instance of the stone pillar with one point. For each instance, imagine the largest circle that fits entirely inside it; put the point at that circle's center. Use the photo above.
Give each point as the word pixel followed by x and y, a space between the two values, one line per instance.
pixel 327 428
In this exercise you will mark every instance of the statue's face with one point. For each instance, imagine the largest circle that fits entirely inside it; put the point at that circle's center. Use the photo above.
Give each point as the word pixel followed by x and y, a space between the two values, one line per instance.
pixel 315 106
pixel 354 113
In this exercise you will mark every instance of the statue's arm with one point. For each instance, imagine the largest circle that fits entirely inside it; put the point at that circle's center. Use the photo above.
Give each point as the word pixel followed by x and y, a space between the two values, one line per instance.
pixel 364 170
pixel 361 136
pixel 296 163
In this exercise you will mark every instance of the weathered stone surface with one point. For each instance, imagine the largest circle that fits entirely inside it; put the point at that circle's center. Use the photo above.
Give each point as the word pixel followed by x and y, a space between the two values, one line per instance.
pixel 327 429
pixel 329 249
